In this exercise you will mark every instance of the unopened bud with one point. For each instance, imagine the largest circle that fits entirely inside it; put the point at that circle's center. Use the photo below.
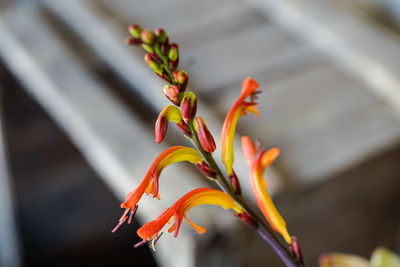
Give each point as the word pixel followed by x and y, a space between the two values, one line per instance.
pixel 169 113
pixel 235 183
pixel 157 68
pixel 147 36
pixel 161 35
pixel 296 250
pixel 247 219
pixel 161 128
pixel 206 170
pixel 173 53
pixel 188 106
pixel 184 129
pixel 182 78
pixel 133 41
pixel 205 137
pixel 135 30
pixel 172 93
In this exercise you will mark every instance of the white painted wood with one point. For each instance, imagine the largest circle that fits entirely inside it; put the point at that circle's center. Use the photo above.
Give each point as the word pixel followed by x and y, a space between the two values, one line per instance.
pixel 324 31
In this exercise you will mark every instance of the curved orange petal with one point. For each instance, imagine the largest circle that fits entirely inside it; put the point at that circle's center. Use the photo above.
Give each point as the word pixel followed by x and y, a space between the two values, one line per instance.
pixel 258 162
pixel 149 184
pixel 238 109
pixel 178 211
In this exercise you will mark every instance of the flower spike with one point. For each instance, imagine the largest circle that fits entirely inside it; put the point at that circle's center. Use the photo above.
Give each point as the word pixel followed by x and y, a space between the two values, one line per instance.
pixel 239 108
pixel 170 113
pixel 259 160
pixel 149 184
pixel 177 212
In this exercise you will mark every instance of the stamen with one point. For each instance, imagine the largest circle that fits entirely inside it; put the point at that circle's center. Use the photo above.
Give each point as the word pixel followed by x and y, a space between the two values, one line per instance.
pixel 141 243
pixel 154 241
pixel 257 145
pixel 132 214
pixel 254 96
pixel 121 221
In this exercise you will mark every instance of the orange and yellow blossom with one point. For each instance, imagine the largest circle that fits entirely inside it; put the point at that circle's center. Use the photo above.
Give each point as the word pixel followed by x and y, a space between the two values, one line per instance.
pixel 259 160
pixel 239 108
pixel 150 231
pixel 149 184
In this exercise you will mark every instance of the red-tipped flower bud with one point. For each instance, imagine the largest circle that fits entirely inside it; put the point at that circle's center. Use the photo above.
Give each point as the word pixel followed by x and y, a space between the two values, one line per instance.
pixel 161 128
pixel 235 183
pixel 172 93
pixel 135 30
pixel 169 113
pixel 161 35
pixel 182 78
pixel 247 219
pixel 133 41
pixel 206 170
pixel 147 36
pixel 173 53
pixel 296 251
pixel 205 137
pixel 188 106
pixel 157 68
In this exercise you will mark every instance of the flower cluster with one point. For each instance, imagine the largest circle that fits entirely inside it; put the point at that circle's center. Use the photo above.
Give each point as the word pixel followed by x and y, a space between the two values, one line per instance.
pixel 163 58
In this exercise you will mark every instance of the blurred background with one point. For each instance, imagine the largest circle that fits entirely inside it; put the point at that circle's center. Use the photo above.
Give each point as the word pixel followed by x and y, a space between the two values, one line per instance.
pixel 78 108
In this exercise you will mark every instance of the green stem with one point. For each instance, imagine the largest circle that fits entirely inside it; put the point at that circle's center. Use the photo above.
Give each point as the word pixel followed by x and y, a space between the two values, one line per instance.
pixel 167 68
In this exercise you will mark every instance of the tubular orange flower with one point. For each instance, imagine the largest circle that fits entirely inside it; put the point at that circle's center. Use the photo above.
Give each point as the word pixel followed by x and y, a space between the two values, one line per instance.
pixel 149 184
pixel 150 231
pixel 239 108
pixel 259 161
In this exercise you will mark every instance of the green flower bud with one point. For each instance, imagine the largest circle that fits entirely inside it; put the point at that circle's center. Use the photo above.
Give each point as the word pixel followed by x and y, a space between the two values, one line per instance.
pixel 157 68
pixel 161 35
pixel 135 30
pixel 173 52
pixel 147 36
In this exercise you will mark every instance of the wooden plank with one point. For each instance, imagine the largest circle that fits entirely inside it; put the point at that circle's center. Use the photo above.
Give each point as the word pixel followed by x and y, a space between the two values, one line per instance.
pixel 238 56
pixel 337 42
pixel 354 212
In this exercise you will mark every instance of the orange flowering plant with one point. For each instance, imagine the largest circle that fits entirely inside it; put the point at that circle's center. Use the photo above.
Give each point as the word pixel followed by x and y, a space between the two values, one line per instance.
pixel 163 58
